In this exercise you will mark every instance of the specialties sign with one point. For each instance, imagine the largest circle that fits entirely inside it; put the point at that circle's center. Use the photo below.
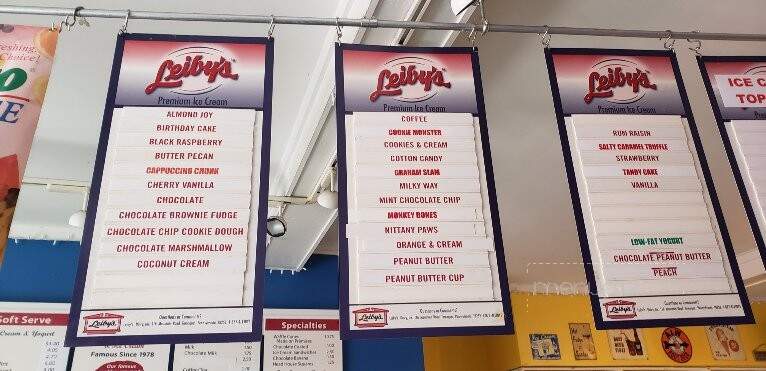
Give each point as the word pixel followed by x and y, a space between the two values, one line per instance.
pixel 737 90
pixel 301 339
pixel 420 246
pixel 174 236
pixel 655 245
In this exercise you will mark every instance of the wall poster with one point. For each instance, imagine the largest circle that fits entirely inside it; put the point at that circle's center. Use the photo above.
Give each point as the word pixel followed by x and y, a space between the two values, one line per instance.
pixel 25 67
pixel 174 239
pixel 545 346
pixel 582 341
pixel 421 252
pixel 654 242
pixel 737 90
pixel 725 343
pixel 627 344
pixel 677 345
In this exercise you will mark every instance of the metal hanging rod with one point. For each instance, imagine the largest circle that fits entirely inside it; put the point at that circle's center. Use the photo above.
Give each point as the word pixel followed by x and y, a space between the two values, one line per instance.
pixel 378 23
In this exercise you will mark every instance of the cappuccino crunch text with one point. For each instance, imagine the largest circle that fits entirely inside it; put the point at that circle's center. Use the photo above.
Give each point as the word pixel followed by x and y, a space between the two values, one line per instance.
pixel 600 86
pixel 191 67
pixel 390 83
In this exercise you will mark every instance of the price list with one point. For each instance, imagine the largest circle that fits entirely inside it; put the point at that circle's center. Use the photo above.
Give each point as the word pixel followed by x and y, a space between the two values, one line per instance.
pixel 218 357
pixel 32 336
pixel 175 209
pixel 295 342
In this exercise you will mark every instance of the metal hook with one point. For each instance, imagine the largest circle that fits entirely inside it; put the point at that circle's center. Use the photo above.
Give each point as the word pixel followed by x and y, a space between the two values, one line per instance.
pixel 80 19
pixel 471 37
pixel 69 21
pixel 545 38
pixel 669 42
pixel 338 30
pixel 697 48
pixel 270 33
pixel 484 21
pixel 124 28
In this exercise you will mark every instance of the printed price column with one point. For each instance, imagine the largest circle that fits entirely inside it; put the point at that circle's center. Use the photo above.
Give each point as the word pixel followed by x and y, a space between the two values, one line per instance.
pixel 178 179
pixel 415 209
pixel 218 357
pixel 645 200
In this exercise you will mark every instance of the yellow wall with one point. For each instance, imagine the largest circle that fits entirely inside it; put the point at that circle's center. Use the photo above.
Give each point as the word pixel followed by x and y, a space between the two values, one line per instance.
pixel 552 314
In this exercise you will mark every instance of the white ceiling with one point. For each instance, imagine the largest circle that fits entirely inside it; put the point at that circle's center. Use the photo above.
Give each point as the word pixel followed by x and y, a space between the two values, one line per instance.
pixel 535 206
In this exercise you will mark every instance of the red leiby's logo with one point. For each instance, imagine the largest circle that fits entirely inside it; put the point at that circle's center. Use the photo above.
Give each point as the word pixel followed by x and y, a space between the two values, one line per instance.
pixel 370 317
pixel 102 324
pixel 619 81
pixel 620 309
pixel 192 71
pixel 410 79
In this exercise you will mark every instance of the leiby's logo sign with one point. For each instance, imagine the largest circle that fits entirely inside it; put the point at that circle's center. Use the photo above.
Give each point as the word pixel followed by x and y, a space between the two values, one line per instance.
pixel 193 70
pixel 370 317
pixel 410 79
pixel 620 81
pixel 102 324
pixel 620 309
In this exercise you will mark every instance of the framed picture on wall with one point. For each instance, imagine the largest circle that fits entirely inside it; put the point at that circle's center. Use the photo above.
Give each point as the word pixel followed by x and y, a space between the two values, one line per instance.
pixel 582 341
pixel 545 346
pixel 627 344
pixel 724 343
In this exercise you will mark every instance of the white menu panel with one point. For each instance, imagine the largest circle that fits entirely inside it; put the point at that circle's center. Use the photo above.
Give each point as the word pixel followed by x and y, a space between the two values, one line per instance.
pixel 420 230
pixel 748 141
pixel 175 222
pixel 653 235
pixel 32 336
pixel 302 339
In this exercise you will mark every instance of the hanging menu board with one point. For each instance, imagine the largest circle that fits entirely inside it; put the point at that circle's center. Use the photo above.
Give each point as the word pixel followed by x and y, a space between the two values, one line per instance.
pixel 655 246
pixel 32 336
pixel 301 339
pixel 737 90
pixel 421 252
pixel 174 241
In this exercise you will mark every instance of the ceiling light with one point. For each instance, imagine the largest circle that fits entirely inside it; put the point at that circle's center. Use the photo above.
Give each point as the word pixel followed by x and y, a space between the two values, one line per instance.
pixel 77 219
pixel 328 199
pixel 276 226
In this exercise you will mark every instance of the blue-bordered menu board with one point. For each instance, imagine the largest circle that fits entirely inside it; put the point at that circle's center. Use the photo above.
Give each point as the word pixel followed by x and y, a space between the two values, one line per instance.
pixel 174 241
pixel 654 242
pixel 421 252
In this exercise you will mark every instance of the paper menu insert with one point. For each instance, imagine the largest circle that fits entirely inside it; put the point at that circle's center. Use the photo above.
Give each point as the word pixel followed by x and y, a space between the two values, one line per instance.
pixel 32 336
pixel 651 227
